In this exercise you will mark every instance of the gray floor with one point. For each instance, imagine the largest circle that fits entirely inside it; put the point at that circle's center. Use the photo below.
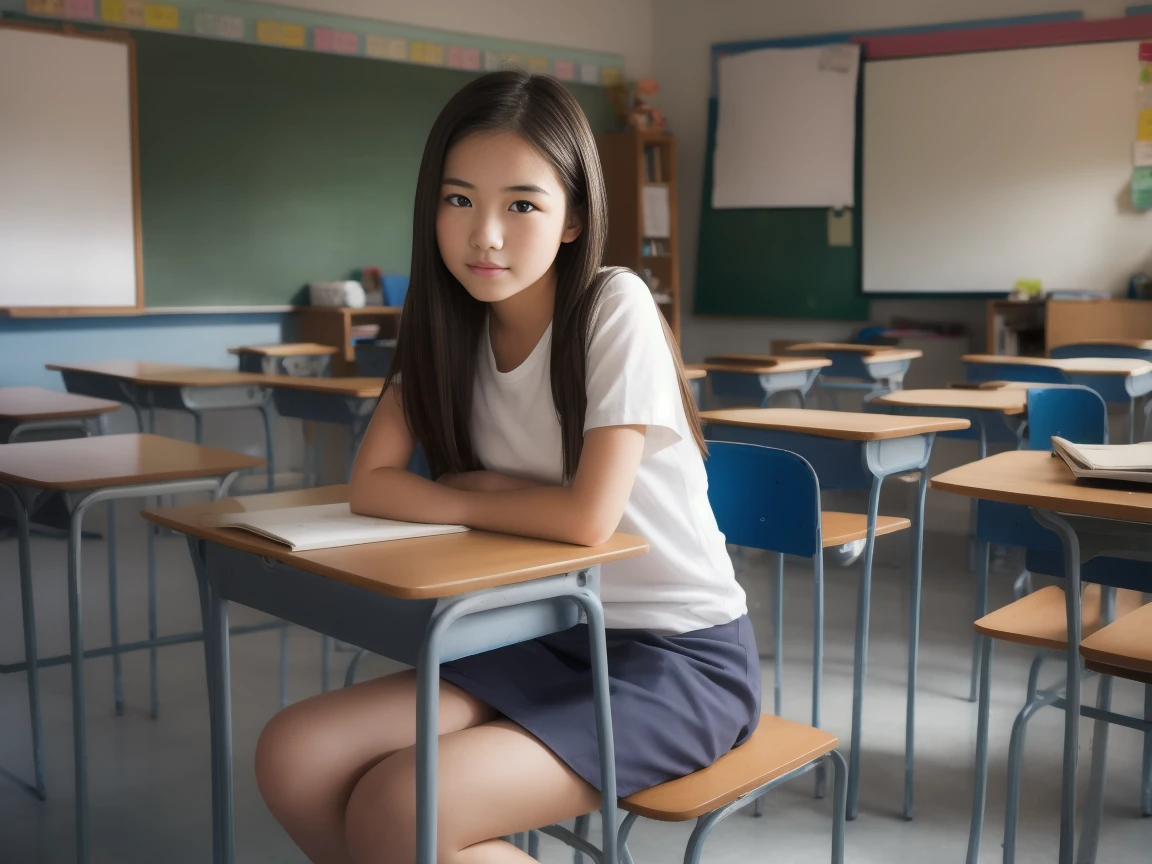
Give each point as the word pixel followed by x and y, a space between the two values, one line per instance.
pixel 149 779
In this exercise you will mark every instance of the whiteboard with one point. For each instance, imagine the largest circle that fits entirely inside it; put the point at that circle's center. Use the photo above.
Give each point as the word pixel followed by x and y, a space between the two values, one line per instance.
pixel 981 169
pixel 786 131
pixel 68 211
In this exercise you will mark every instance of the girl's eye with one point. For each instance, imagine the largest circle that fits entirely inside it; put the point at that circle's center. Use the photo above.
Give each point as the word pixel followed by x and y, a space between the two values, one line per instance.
pixel 458 201
pixel 522 207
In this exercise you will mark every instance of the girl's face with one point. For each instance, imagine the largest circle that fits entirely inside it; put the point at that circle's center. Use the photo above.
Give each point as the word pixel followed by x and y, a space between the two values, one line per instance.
pixel 502 216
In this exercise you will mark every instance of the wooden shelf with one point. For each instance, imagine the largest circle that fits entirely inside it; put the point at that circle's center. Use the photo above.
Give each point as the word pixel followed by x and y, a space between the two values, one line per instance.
pixel 623 156
pixel 332 325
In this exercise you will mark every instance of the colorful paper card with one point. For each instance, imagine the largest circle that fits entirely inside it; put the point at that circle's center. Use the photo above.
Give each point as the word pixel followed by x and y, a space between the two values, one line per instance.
pixel 565 70
pixel 219 25
pixel 610 76
pixel 159 17
pixel 589 73
pixel 44 7
pixel 463 58
pixel 81 9
pixel 1144 125
pixel 385 47
pixel 538 65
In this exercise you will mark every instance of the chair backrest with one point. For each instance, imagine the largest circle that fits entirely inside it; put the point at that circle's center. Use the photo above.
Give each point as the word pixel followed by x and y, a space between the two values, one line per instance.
pixel 1074 413
pixel 764 498
pixel 1015 372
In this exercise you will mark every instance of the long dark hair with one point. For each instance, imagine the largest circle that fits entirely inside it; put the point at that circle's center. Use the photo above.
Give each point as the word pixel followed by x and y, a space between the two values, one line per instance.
pixel 440 329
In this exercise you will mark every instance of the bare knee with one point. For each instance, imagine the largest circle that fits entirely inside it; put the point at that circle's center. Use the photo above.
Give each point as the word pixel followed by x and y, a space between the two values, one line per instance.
pixel 288 754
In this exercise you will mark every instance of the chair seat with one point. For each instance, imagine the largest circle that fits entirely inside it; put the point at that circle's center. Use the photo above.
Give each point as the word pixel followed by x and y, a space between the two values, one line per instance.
pixel 1119 672
pixel 840 528
pixel 1125 643
pixel 777 747
pixel 1040 618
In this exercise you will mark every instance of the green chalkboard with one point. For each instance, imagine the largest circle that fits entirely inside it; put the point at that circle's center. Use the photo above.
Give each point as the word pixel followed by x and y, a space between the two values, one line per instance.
pixel 262 169
pixel 774 262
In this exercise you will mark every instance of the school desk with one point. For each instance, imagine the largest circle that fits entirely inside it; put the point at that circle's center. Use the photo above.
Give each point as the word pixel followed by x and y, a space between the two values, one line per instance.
pixel 760 377
pixel 307 359
pixel 344 401
pixel 875 368
pixel 696 376
pixel 88 471
pixel 145 386
pixel 1116 379
pixel 851 450
pixel 35 409
pixel 1134 349
pixel 422 602
pixel 1089 521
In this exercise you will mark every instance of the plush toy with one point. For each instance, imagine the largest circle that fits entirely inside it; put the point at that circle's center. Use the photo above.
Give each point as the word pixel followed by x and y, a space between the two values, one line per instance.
pixel 645 117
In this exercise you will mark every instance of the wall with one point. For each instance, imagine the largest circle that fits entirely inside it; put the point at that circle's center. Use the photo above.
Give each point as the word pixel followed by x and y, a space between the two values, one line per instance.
pixel 684 31
pixel 613 26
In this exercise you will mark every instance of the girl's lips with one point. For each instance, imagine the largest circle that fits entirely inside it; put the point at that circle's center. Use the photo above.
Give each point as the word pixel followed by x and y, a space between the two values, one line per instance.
pixel 486 271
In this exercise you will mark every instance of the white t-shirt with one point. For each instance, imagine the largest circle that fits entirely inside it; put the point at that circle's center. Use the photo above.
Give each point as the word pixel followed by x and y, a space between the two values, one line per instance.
pixel 685 582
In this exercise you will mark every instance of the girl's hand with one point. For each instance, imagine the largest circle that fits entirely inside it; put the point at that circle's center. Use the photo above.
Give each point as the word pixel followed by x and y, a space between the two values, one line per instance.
pixel 485 481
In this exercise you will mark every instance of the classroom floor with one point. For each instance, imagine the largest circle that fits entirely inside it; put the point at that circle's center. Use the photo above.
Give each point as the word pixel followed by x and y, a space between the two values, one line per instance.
pixel 149 780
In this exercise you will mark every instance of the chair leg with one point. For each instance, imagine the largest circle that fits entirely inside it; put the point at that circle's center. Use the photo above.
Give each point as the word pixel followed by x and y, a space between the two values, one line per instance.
pixel 778 635
pixel 839 804
pixel 1015 767
pixel 916 569
pixel 1094 806
pixel 983 553
pixel 1146 784
pixel 622 842
pixel 283 667
pixel 818 662
pixel 580 829
pixel 980 786
pixel 350 675
pixel 1034 674
pixel 325 663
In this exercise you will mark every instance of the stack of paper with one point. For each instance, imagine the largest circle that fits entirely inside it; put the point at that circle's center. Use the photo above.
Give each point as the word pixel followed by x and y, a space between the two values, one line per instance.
pixel 324 526
pixel 1131 462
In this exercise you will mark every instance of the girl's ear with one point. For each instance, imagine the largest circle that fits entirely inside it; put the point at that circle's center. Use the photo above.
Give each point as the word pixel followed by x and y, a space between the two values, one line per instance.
pixel 573 229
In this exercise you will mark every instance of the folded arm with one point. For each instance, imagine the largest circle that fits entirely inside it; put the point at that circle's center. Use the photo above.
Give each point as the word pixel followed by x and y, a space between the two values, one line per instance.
pixel 587 512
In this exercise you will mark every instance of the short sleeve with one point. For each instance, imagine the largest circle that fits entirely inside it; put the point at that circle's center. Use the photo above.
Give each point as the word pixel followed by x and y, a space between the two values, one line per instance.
pixel 631 376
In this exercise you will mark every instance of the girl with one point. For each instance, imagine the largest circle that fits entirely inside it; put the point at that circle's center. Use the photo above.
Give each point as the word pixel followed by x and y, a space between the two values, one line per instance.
pixel 550 402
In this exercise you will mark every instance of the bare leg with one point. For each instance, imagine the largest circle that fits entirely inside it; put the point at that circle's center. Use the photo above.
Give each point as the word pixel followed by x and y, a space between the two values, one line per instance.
pixel 494 780
pixel 312 754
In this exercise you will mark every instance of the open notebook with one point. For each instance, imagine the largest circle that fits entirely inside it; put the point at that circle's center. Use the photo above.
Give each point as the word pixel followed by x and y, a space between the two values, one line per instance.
pixel 1130 462
pixel 324 526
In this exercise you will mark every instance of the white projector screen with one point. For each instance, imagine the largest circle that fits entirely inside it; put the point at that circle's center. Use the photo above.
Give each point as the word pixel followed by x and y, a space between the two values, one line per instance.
pixel 981 169
pixel 67 177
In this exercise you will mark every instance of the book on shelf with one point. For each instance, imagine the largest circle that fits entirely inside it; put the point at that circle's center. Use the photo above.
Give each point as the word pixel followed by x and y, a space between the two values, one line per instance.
pixel 653 171
pixel 1129 462
pixel 324 526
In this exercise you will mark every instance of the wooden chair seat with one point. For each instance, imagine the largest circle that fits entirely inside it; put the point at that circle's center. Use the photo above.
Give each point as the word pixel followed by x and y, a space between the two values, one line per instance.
pixel 1126 643
pixel 839 528
pixel 775 748
pixel 1040 618
pixel 1119 672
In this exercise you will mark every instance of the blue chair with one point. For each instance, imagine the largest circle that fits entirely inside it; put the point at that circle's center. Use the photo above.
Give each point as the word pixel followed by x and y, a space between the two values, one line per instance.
pixel 769 499
pixel 1074 413
pixel 1077 414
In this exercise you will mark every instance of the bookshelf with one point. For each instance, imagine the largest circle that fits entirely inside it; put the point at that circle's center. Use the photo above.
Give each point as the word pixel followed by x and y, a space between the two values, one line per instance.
pixel 640 168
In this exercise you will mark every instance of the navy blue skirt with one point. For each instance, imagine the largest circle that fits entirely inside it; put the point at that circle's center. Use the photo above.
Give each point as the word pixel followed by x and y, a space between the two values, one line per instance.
pixel 679 703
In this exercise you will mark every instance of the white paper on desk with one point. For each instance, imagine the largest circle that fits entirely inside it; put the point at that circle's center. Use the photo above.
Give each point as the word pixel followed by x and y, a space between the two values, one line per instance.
pixel 325 526
pixel 786 133
pixel 657 212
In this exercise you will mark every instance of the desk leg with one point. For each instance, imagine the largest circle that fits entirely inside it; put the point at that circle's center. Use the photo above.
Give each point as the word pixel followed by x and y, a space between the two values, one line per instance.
pixel 914 641
pixel 1146 771
pixel 214 611
pixel 1071 543
pixel 31 655
pixel 269 449
pixel 980 781
pixel 983 563
pixel 863 613
pixel 76 640
pixel 428 722
pixel 1094 810
pixel 114 611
